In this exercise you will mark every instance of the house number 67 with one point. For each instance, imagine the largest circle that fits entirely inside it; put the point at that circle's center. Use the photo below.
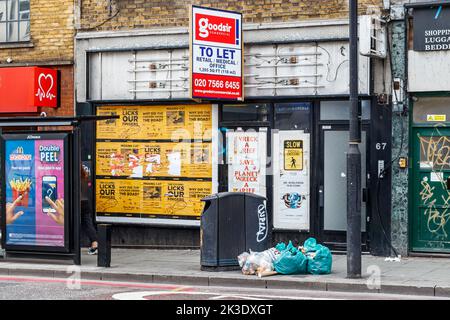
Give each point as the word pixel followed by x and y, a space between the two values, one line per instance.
pixel 381 145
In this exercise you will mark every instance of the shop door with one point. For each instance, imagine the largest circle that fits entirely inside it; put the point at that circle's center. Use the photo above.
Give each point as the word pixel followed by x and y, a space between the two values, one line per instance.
pixel 431 190
pixel 245 156
pixel 333 186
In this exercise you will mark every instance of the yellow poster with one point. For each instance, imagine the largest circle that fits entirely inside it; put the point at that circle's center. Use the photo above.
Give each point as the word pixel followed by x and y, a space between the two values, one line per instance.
pixel 152 197
pixel 173 123
pixel 108 128
pixel 155 197
pixel 107 196
pixel 293 155
pixel 138 160
pixel 155 161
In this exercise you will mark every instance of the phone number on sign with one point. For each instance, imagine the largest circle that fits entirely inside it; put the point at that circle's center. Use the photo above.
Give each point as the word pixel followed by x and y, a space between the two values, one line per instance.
pixel 217 84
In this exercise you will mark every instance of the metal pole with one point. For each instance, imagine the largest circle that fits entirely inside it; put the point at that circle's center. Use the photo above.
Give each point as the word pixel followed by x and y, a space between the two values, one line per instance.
pixel 104 245
pixel 2 251
pixel 354 156
pixel 76 191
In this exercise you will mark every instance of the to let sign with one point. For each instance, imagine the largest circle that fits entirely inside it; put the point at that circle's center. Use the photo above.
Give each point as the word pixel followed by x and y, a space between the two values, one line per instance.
pixel 216 54
pixel 432 28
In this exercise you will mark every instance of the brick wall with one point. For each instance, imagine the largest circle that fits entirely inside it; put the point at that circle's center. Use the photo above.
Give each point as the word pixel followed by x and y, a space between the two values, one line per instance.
pixel 52 39
pixel 139 14
pixel 66 94
pixel 52 32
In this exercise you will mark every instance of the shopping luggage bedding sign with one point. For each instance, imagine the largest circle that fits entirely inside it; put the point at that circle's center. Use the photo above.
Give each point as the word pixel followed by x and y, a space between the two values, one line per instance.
pixel 216 48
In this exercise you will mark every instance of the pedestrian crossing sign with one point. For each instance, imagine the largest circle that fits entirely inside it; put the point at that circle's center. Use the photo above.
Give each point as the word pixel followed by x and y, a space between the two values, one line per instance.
pixel 293 155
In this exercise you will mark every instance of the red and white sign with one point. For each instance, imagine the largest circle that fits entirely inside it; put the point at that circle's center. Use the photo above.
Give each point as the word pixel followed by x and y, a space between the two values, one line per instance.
pixel 247 155
pixel 216 51
pixel 46 87
pixel 24 89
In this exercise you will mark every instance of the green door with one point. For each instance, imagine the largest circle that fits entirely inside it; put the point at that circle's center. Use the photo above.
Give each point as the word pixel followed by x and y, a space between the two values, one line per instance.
pixel 430 228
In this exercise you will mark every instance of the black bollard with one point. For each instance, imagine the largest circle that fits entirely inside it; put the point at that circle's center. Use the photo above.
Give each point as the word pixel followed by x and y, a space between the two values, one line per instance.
pixel 104 245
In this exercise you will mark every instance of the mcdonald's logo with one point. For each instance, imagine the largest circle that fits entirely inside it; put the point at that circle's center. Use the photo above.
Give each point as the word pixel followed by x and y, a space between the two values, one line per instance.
pixel 19 155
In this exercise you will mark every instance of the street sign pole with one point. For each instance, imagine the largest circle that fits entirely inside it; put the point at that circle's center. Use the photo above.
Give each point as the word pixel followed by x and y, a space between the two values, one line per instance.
pixel 354 156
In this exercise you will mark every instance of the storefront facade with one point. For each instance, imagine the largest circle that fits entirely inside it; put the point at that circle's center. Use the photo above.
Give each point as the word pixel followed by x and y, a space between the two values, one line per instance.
pixel 27 41
pixel 287 141
pixel 429 88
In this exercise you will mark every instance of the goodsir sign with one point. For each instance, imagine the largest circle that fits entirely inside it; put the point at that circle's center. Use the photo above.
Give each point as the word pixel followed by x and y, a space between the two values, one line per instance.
pixel 432 28
pixel 216 51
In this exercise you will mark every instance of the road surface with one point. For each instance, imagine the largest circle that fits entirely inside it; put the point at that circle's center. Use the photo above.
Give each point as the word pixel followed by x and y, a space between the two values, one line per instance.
pixel 36 288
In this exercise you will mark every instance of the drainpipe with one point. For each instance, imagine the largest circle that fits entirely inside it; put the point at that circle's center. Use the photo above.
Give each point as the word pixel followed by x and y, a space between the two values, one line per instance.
pixel 77 14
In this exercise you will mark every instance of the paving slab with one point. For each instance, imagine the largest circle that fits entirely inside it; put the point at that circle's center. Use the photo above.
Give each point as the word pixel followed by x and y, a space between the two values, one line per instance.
pixel 413 275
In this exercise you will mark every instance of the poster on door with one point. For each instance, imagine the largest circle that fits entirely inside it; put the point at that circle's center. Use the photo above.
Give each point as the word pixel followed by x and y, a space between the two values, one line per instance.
pixel 291 180
pixel 246 157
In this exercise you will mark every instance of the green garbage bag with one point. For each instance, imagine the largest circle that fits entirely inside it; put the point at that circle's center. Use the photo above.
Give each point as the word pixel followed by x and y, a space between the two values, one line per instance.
pixel 310 245
pixel 318 256
pixel 281 246
pixel 291 261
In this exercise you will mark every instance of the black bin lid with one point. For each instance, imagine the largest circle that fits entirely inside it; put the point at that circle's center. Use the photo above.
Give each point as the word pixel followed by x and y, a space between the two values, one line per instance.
pixel 232 194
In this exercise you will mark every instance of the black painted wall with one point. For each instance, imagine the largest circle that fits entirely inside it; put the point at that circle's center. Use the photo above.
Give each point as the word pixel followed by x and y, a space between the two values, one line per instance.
pixel 380 188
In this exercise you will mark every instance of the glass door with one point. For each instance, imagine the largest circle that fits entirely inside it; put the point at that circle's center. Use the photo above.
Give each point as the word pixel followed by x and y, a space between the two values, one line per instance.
pixel 332 191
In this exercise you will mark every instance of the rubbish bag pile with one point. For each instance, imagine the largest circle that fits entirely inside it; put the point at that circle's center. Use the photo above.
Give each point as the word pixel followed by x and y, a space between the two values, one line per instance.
pixel 258 262
pixel 312 258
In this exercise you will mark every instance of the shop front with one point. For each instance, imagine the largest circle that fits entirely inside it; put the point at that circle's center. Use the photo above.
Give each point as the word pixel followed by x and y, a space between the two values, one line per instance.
pixel 430 174
pixel 429 91
pixel 27 89
pixel 294 153
pixel 287 141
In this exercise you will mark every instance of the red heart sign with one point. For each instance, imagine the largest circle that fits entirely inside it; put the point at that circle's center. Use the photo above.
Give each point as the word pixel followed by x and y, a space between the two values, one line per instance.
pixel 45 87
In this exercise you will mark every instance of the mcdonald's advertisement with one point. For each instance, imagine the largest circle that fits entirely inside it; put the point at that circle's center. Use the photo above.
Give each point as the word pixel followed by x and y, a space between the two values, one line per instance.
pixel 154 163
pixel 34 184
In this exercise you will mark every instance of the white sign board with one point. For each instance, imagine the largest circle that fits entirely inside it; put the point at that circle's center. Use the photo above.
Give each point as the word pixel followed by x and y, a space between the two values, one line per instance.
pixel 246 158
pixel 291 192
pixel 216 54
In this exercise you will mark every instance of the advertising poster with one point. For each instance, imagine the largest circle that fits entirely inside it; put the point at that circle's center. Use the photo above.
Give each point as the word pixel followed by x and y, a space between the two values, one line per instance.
pixel 246 157
pixel 161 168
pixel 291 180
pixel 216 54
pixel 156 123
pixel 153 198
pixel 34 177
pixel 165 159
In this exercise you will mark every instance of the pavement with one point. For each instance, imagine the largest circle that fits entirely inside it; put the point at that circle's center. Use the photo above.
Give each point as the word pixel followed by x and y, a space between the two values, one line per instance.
pixel 411 276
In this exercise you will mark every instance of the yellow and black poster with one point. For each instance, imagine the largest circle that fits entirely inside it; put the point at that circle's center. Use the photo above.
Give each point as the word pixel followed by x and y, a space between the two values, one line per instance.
pixel 171 199
pixel 156 123
pixel 293 155
pixel 154 161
